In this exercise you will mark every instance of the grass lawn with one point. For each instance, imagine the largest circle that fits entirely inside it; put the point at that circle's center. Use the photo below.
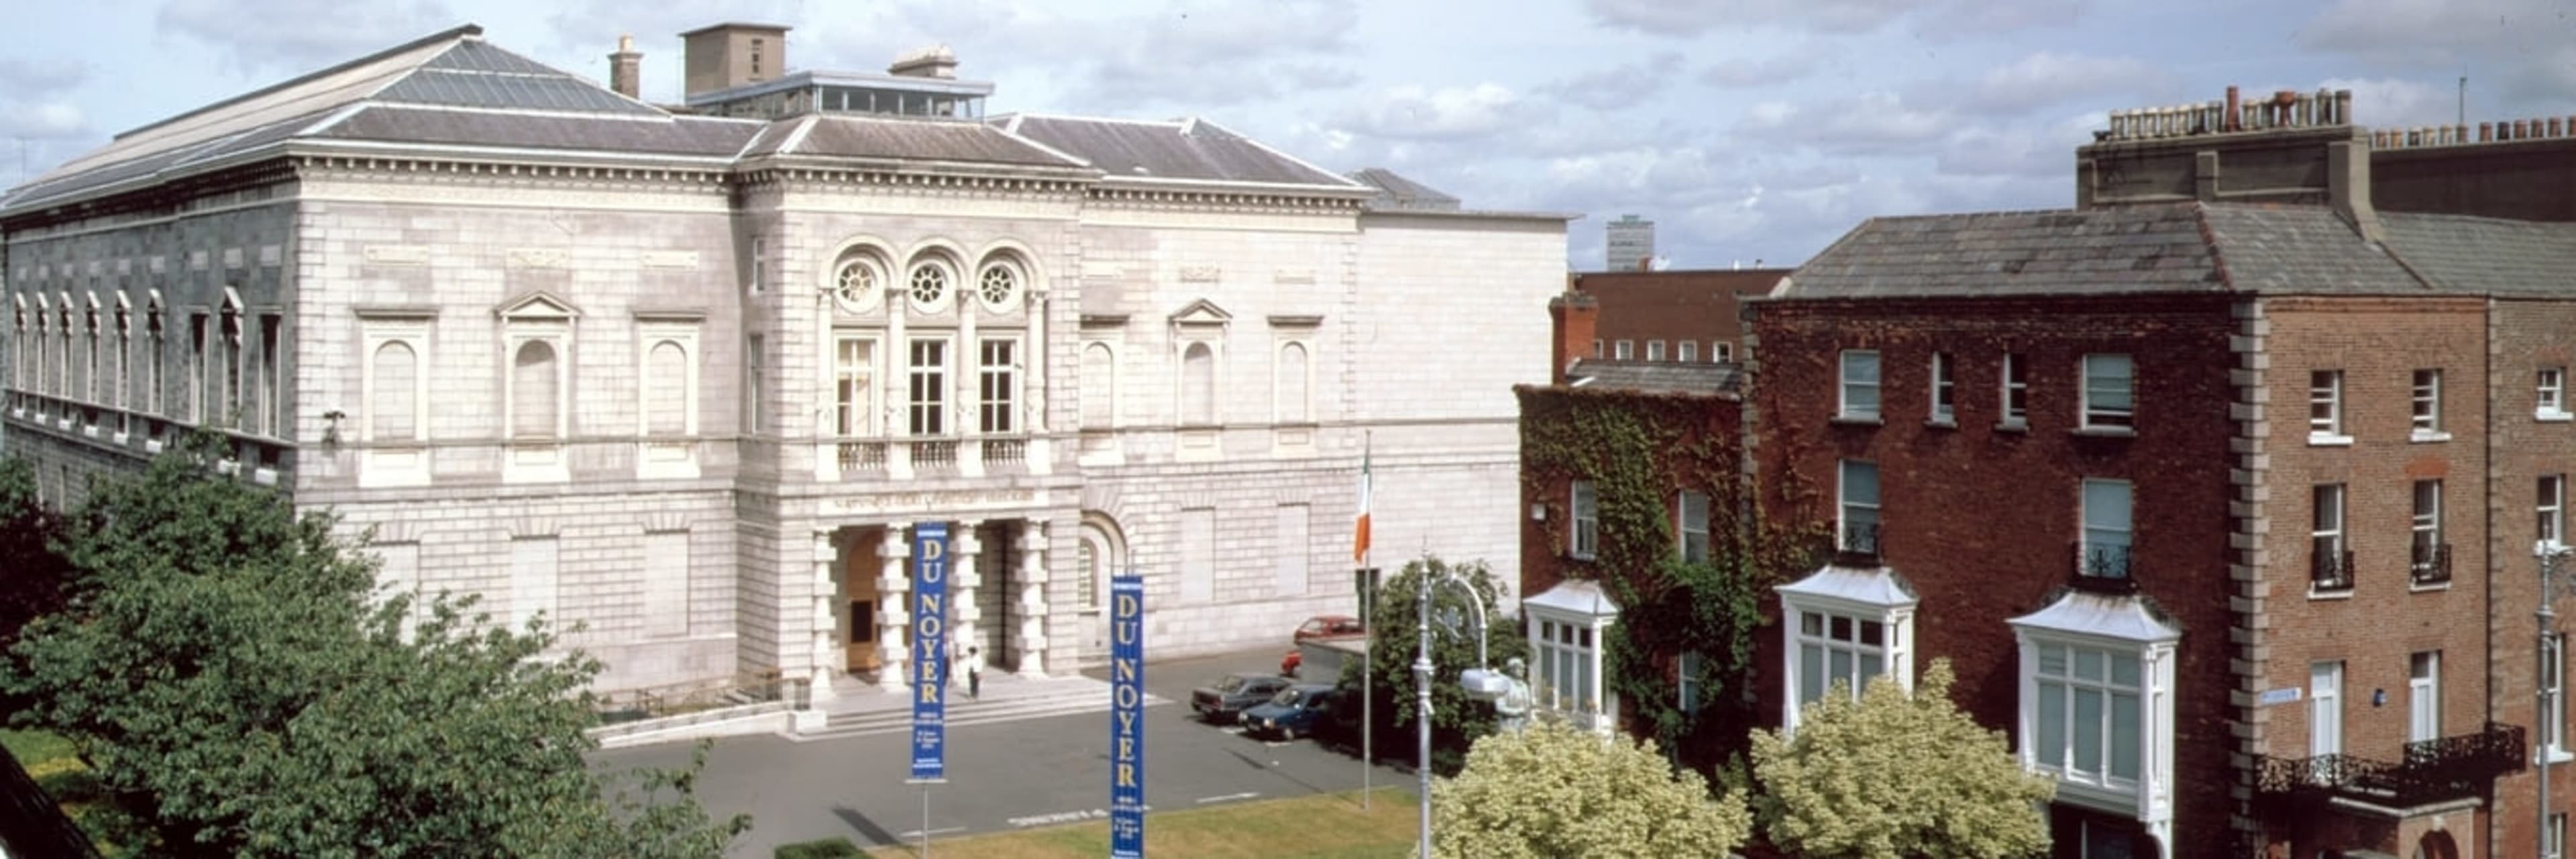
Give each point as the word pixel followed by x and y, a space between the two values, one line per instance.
pixel 49 760
pixel 1326 826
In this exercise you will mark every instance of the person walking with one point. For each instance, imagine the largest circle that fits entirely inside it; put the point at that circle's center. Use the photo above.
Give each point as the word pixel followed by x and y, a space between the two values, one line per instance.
pixel 975 673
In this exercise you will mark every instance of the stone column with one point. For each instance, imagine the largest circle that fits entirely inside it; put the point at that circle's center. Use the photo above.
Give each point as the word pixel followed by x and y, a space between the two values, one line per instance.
pixel 829 660
pixel 966 404
pixel 1033 381
pixel 1030 641
pixel 893 582
pixel 964 580
pixel 893 386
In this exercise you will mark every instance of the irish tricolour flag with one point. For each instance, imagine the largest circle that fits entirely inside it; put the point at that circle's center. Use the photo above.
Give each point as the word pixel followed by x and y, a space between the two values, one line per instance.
pixel 1360 529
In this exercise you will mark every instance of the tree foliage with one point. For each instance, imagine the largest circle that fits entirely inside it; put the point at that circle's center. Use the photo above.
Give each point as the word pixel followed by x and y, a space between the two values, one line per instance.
pixel 1456 720
pixel 1896 775
pixel 1553 790
pixel 32 574
pixel 228 671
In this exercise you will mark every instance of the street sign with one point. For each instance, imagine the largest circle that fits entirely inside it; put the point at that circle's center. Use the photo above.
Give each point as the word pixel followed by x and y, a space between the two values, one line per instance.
pixel 1126 716
pixel 929 651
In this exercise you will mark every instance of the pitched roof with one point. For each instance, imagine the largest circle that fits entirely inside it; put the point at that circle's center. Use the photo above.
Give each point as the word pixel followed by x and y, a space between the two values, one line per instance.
pixel 1663 376
pixel 2485 255
pixel 840 135
pixel 1191 150
pixel 1397 192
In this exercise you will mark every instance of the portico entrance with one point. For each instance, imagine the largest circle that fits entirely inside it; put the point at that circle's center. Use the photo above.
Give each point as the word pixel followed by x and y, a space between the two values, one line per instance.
pixel 997 591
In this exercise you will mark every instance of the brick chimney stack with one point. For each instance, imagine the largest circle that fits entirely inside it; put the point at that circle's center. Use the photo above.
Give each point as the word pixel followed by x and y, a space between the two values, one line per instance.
pixel 626 69
pixel 1572 317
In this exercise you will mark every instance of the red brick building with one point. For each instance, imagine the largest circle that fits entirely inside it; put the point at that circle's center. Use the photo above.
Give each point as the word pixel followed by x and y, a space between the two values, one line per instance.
pixel 2220 490
pixel 1682 316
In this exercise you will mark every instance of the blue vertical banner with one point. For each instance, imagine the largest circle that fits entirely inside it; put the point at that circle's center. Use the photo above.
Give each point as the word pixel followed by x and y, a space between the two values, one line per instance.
pixel 930 651
pixel 1126 716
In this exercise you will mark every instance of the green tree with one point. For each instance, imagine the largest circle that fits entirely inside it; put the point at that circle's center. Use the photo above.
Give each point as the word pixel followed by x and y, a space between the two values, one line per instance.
pixel 1456 720
pixel 1553 790
pixel 1896 775
pixel 32 573
pixel 228 671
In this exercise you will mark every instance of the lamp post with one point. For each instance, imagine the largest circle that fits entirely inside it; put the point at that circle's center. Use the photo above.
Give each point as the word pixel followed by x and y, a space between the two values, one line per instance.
pixel 1481 682
pixel 2553 559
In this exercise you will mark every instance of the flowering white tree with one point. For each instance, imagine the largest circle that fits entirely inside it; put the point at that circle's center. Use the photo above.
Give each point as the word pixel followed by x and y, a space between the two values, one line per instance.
pixel 1896 775
pixel 1554 791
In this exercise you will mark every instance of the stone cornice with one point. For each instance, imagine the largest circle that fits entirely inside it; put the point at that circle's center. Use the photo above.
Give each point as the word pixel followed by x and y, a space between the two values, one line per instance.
pixel 906 181
pixel 516 174
pixel 1222 200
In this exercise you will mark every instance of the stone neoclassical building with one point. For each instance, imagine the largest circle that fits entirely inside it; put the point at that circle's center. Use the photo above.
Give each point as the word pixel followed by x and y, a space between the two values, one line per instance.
pixel 688 374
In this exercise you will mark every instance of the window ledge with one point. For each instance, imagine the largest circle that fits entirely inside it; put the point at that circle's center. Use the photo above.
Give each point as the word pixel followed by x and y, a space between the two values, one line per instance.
pixel 2325 440
pixel 1854 421
pixel 2107 432
pixel 2428 587
pixel 2013 426
pixel 1941 423
pixel 2554 755
pixel 2338 594
pixel 2422 437
pixel 2552 417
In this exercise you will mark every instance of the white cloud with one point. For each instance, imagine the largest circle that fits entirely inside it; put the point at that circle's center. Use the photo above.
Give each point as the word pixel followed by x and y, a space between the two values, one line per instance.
pixel 2048 78
pixel 296 36
pixel 2394 102
pixel 1693 17
pixel 2523 50
pixel 39 100
pixel 1764 72
pixel 1213 52
pixel 1618 86
pixel 1868 123
pixel 1448 113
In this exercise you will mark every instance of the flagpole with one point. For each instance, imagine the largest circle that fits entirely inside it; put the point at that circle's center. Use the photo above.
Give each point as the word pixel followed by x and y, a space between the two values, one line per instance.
pixel 1368 641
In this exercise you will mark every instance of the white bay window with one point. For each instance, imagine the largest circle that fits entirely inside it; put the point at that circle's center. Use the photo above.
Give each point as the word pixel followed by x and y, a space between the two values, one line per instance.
pixel 2097 706
pixel 1847 626
pixel 1567 626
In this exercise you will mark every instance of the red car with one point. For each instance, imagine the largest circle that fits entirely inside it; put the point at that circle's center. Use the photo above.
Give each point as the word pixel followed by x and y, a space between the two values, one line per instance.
pixel 1329 626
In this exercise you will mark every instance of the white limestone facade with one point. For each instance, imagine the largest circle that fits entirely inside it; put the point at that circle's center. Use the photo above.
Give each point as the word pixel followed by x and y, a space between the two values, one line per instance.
pixel 687 395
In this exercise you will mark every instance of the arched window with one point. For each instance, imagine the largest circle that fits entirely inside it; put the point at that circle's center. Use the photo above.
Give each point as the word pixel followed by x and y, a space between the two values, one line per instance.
pixel 395 416
pixel 1198 385
pixel 999 283
pixel 535 399
pixel 1099 386
pixel 1293 404
pixel 666 371
pixel 928 285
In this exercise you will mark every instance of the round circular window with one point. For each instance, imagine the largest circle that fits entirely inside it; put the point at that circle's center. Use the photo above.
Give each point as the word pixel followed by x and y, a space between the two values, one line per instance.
pixel 929 285
pixel 998 286
pixel 855 283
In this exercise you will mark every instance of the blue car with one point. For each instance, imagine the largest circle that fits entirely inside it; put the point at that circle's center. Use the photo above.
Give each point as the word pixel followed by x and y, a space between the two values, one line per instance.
pixel 1294 713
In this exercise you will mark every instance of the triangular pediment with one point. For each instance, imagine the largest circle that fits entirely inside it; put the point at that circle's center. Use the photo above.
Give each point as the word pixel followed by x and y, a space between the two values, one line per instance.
pixel 1201 312
pixel 538 304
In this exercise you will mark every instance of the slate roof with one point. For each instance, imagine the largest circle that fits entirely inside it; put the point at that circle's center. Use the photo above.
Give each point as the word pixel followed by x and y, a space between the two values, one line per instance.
pixel 1399 193
pixel 1655 376
pixel 843 135
pixel 699 137
pixel 2108 250
pixel 1191 149
pixel 2486 255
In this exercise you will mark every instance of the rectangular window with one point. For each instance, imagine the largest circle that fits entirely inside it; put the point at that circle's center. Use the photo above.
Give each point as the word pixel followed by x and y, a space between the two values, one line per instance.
pixel 1721 351
pixel 2557 837
pixel 1860 385
pixel 1686 351
pixel 2429 557
pixel 854 386
pixel 1838 648
pixel 996 387
pixel 2428 402
pixel 152 368
pixel 1654 350
pixel 270 407
pixel 2016 390
pixel 2089 713
pixel 1624 350
pixel 755 361
pixel 1694 526
pixel 2424 696
pixel 2109 392
pixel 2107 512
pixel 1944 410
pixel 1687 676
pixel 2551 398
pixel 2325 709
pixel 2330 563
pixel 929 388
pixel 1857 519
pixel 200 335
pixel 2325 404
pixel 2553 498
pixel 1596 349
pixel 1587 521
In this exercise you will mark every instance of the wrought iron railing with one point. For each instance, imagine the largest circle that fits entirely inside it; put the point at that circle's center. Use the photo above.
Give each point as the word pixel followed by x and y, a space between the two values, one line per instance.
pixel 2438 770
pixel 2330 570
pixel 2430 563
pixel 1857 545
pixel 2102 568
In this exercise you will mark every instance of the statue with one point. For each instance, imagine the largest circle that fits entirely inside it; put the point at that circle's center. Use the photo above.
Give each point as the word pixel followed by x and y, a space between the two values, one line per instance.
pixel 1511 712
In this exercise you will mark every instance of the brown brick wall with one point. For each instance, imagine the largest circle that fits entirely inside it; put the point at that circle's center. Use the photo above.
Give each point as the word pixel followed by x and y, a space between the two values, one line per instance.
pixel 1982 521
pixel 2527 335
pixel 1673 306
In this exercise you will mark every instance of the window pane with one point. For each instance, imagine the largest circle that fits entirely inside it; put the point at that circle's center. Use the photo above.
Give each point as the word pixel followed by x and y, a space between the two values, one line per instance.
pixel 2052 660
pixel 1860 482
pixel 1811 673
pixel 2050 747
pixel 2124 669
pixel 2124 736
pixel 1873 633
pixel 2088 730
pixel 2106 381
pixel 1841 626
pixel 1871 665
pixel 1842 666
pixel 2088 664
pixel 1811 623
pixel 2106 507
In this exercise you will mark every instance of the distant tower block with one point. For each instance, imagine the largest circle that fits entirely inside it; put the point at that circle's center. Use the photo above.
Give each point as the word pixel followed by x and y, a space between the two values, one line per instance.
pixel 1632 243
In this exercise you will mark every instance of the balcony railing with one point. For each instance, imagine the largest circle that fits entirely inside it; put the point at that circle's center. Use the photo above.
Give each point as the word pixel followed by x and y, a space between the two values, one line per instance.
pixel 1000 451
pixel 1857 545
pixel 856 456
pixel 2439 770
pixel 2430 563
pixel 2330 570
pixel 2103 568
pixel 934 453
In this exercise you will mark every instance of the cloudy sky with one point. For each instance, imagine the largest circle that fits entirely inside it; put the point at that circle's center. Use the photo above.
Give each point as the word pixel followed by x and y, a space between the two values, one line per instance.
pixel 1747 129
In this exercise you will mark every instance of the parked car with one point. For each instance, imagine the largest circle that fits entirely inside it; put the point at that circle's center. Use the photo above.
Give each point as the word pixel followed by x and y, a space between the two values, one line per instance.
pixel 1224 702
pixel 1296 712
pixel 1329 626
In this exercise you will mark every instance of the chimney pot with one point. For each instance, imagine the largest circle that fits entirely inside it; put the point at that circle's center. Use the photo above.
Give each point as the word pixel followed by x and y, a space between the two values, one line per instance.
pixel 626 68
pixel 2553 126
pixel 2233 117
pixel 2486 132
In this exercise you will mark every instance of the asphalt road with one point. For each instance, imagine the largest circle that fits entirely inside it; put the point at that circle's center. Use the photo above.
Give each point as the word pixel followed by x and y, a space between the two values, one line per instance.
pixel 1003 776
